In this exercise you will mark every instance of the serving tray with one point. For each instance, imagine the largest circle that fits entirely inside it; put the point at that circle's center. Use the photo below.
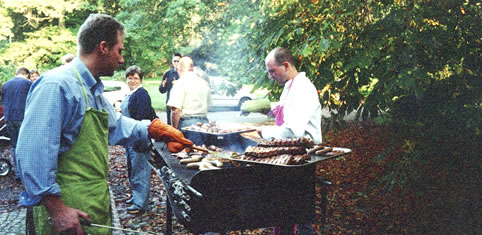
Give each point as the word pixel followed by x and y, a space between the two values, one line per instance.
pixel 335 153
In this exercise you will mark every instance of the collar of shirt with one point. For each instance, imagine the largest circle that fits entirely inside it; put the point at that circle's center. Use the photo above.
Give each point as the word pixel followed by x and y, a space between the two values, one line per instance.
pixel 188 75
pixel 137 88
pixel 300 74
pixel 94 85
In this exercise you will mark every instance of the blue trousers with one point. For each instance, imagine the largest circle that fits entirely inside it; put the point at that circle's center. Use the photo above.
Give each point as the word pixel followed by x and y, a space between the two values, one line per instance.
pixel 13 127
pixel 139 173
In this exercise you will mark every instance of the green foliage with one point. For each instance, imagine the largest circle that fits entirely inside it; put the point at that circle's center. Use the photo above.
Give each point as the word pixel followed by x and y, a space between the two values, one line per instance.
pixel 6 24
pixel 36 12
pixel 155 30
pixel 6 73
pixel 42 49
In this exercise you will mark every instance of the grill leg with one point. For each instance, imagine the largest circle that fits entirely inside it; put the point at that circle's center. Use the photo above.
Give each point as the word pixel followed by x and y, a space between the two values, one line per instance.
pixel 29 224
pixel 324 202
pixel 168 217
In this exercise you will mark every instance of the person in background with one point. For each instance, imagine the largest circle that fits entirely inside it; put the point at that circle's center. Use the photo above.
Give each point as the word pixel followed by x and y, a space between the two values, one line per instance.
pixel 298 113
pixel 168 80
pixel 67 58
pixel 137 105
pixel 62 149
pixel 14 96
pixel 190 97
pixel 34 75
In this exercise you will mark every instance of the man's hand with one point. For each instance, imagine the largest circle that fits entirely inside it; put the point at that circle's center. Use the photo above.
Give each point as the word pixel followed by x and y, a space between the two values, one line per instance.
pixel 64 219
pixel 163 132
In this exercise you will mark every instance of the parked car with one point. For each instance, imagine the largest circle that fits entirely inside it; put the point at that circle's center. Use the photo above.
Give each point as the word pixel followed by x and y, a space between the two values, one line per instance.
pixel 226 94
pixel 115 91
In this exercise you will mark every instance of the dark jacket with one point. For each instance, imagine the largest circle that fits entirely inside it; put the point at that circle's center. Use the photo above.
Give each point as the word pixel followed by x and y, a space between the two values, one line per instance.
pixel 14 95
pixel 169 76
pixel 140 108
pixel 140 105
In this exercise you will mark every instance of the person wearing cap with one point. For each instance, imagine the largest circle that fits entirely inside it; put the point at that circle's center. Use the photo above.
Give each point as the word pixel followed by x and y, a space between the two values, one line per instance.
pixel 62 149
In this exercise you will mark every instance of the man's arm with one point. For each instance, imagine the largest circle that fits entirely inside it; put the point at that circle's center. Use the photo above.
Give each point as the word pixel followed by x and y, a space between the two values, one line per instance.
pixel 163 87
pixel 63 218
pixel 175 116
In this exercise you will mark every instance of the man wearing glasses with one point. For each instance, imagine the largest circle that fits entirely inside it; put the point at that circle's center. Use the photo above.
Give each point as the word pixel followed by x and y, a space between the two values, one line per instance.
pixel 168 81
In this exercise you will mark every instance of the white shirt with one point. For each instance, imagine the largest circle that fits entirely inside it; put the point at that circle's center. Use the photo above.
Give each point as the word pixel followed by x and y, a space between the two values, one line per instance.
pixel 191 94
pixel 302 112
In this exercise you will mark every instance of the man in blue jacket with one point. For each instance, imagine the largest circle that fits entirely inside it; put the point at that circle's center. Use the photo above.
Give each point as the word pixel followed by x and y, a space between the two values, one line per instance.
pixel 14 95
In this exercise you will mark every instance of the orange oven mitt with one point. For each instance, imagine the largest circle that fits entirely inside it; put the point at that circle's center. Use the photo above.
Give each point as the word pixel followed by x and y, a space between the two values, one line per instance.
pixel 171 136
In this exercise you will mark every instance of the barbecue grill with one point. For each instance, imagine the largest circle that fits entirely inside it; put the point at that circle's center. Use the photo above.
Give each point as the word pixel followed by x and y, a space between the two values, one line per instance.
pixel 235 198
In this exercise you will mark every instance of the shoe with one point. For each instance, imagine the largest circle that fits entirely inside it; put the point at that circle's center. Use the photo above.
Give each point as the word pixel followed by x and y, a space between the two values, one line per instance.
pixel 130 201
pixel 134 210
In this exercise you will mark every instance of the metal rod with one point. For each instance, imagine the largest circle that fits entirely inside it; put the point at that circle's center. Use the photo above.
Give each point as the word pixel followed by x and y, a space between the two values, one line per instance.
pixel 324 202
pixel 168 216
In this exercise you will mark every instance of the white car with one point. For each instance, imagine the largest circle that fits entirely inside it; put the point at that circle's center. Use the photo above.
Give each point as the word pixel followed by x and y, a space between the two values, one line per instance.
pixel 115 91
pixel 224 93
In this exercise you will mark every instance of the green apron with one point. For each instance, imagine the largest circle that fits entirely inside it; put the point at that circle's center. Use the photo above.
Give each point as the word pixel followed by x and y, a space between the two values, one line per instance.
pixel 82 174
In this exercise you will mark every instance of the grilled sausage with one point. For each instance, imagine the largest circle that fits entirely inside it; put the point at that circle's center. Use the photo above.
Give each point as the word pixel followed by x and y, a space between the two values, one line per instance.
pixel 323 151
pixel 316 148
pixel 194 158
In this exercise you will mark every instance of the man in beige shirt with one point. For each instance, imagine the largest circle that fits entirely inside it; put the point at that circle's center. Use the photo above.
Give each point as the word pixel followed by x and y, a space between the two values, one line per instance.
pixel 190 97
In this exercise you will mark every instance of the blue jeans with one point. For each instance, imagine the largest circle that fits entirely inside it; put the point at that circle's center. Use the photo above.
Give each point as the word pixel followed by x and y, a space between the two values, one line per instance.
pixel 13 127
pixel 139 173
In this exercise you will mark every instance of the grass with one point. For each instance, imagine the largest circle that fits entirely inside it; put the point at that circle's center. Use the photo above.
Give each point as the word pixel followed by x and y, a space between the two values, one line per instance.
pixel 152 86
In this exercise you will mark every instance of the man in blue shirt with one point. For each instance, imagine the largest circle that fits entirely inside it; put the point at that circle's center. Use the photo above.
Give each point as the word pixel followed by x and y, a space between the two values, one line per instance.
pixel 62 149
pixel 14 95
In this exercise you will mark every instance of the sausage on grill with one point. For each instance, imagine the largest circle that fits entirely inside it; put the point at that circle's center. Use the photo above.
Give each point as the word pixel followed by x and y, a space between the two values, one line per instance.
pixel 307 143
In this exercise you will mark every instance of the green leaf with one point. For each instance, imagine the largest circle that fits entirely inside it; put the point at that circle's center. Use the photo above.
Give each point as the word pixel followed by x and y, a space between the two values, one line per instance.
pixel 324 44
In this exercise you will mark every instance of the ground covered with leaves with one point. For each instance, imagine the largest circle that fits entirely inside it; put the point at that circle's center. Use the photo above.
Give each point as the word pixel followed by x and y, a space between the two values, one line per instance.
pixel 354 204
pixel 357 203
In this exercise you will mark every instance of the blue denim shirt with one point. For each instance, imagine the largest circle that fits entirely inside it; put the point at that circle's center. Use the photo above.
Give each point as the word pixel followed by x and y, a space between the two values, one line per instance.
pixel 54 113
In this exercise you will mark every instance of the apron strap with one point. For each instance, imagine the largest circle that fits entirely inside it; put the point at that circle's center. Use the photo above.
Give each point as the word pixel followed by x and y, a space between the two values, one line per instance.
pixel 82 85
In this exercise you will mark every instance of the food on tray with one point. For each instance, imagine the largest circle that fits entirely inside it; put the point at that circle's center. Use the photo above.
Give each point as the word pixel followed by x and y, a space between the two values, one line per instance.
pixel 205 164
pixel 193 158
pixel 315 148
pixel 214 128
pixel 324 151
pixel 215 148
pixel 181 155
pixel 200 148
pixel 307 143
pixel 273 151
pixel 214 161
pixel 283 159
pixel 334 152
pixel 279 151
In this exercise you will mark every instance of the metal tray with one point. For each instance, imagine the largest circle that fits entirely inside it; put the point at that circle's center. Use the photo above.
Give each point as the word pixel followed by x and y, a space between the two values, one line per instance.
pixel 314 158
pixel 218 134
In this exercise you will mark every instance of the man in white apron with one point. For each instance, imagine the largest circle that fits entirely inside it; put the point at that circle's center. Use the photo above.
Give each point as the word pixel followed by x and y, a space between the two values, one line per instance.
pixel 298 113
